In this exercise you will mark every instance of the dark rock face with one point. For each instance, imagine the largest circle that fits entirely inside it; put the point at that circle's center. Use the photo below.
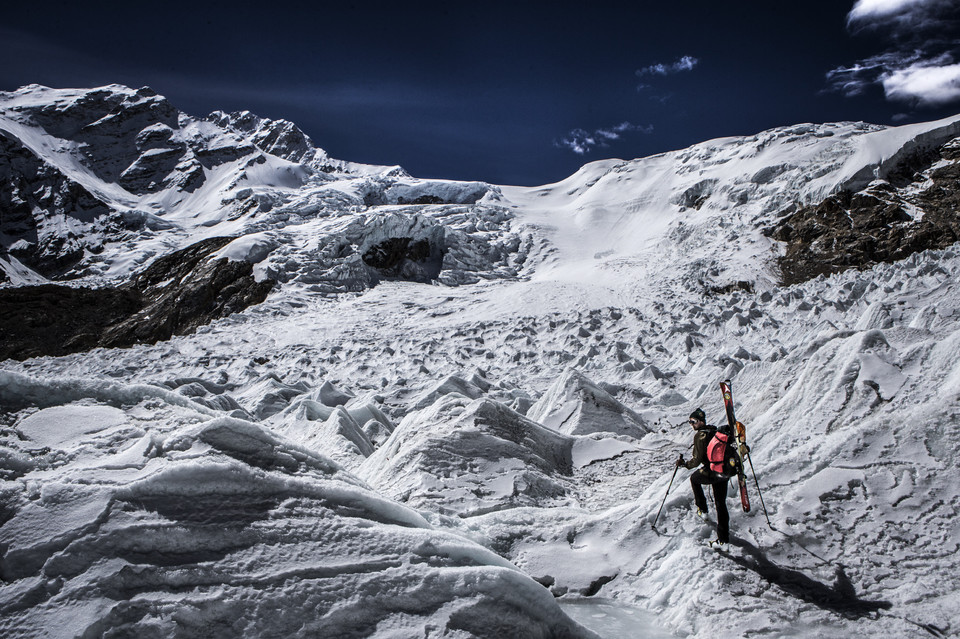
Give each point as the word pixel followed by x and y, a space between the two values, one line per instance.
pixel 57 320
pixel 174 296
pixel 406 258
pixel 37 201
pixel 423 199
pixel 107 124
pixel 883 223
pixel 186 290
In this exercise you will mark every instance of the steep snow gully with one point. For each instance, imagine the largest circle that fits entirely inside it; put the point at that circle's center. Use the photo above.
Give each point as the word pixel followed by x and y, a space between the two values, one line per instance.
pixel 453 408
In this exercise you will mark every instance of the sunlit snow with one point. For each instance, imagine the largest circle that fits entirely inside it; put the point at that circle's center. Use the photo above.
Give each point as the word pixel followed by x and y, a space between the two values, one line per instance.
pixel 366 456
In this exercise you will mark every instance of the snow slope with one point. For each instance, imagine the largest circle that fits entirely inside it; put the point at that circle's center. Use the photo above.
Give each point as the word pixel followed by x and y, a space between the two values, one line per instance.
pixel 135 511
pixel 382 451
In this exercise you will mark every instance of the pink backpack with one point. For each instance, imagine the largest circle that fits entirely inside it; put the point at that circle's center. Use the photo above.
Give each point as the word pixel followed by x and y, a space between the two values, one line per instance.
pixel 722 455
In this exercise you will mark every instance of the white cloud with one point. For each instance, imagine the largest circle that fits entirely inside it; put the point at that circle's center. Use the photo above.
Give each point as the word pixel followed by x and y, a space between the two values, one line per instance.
pixel 914 78
pixel 925 85
pixel 873 9
pixel 578 141
pixel 686 63
pixel 918 64
pixel 614 132
pixel 581 141
pixel 905 19
pixel 857 78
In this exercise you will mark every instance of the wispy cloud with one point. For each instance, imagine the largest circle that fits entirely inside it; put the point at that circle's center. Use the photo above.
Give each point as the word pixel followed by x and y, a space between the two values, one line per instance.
pixel 918 66
pixel 855 79
pixel 923 85
pixel 901 14
pixel 686 63
pixel 581 141
pixel 614 132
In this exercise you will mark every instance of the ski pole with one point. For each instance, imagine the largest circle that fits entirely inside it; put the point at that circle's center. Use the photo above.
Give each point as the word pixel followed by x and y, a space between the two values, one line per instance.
pixel 654 524
pixel 759 492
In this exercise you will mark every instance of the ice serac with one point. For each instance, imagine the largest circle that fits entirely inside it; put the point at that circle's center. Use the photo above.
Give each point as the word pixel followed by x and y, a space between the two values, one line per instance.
pixel 154 518
pixel 467 457
pixel 574 405
pixel 339 436
pixel 332 421
pixel 101 180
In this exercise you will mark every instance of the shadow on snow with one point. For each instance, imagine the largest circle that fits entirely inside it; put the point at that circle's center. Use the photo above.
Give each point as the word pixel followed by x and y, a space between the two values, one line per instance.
pixel 840 598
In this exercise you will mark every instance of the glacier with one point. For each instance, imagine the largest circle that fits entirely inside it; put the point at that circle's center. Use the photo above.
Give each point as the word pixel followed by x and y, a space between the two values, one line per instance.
pixel 456 410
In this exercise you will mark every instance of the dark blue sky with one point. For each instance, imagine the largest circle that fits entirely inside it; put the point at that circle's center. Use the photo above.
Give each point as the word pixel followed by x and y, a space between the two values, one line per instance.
pixel 510 93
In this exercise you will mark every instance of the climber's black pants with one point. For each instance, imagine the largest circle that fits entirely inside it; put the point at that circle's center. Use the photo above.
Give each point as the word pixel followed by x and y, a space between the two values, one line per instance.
pixel 697 480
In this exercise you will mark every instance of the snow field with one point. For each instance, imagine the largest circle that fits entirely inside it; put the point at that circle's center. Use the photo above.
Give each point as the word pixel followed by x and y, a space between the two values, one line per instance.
pixel 347 459
pixel 872 470
pixel 850 432
pixel 152 518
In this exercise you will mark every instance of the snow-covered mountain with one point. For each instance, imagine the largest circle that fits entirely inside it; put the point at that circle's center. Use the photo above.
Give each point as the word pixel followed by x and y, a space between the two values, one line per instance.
pixel 350 402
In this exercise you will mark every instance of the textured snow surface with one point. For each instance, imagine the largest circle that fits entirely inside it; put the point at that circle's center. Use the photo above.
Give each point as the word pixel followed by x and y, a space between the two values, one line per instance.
pixel 149 518
pixel 363 456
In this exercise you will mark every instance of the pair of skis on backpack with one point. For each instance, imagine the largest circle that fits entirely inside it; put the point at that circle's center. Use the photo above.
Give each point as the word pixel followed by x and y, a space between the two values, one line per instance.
pixel 741 451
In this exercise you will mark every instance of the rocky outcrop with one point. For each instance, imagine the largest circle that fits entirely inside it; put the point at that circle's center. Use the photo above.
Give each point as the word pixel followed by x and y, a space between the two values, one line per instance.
pixel 914 210
pixel 44 214
pixel 185 290
pixel 276 137
pixel 56 320
pixel 109 123
pixel 175 295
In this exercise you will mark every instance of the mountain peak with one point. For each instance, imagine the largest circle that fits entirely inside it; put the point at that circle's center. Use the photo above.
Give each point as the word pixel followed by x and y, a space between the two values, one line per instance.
pixel 276 137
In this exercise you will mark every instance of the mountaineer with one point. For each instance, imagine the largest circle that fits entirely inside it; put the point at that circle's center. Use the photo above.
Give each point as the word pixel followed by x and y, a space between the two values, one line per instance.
pixel 703 438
